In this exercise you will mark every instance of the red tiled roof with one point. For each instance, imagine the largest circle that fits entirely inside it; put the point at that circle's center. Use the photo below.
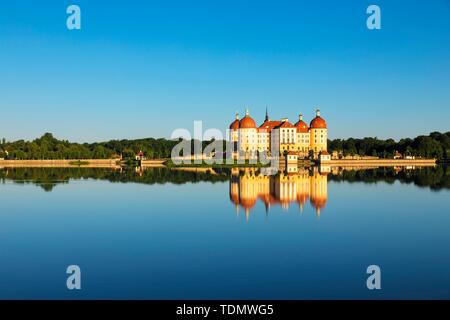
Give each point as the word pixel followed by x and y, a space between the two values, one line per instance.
pixel 285 124
pixel 269 125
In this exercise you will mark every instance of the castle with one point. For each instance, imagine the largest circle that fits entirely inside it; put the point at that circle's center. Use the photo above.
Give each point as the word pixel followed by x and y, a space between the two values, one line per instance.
pixel 299 139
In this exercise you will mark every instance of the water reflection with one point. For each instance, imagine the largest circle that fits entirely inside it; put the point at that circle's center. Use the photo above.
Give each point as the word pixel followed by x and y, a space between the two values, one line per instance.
pixel 134 217
pixel 246 185
pixel 49 178
pixel 284 189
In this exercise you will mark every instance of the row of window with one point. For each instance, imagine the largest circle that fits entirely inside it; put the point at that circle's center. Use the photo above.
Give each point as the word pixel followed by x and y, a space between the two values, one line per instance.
pixel 284 139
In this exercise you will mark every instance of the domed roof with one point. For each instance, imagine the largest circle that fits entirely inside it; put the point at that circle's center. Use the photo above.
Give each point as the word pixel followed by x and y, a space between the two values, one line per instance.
pixel 247 202
pixel 301 125
pixel 318 122
pixel 318 201
pixel 247 122
pixel 302 197
pixel 235 124
pixel 318 204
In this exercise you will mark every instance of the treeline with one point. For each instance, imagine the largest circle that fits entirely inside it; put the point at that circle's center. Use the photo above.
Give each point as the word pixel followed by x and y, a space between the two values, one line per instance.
pixel 436 145
pixel 48 147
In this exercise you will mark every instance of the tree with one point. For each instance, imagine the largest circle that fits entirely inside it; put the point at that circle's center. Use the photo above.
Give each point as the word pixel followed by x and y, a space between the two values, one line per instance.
pixel 100 152
pixel 428 147
pixel 128 153
pixel 436 145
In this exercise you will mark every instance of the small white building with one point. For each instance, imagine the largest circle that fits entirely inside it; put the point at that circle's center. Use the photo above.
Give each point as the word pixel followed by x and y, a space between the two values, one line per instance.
pixel 140 156
pixel 324 156
pixel 292 169
pixel 291 157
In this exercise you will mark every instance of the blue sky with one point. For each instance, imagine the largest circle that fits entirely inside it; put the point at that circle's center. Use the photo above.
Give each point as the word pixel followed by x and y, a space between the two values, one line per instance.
pixel 145 68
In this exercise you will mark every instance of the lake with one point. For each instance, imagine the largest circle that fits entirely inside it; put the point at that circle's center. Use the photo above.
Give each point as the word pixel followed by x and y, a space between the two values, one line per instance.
pixel 225 234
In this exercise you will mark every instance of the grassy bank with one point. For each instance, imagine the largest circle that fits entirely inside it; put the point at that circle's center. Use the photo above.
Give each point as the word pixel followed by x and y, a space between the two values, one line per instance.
pixel 79 163
pixel 130 163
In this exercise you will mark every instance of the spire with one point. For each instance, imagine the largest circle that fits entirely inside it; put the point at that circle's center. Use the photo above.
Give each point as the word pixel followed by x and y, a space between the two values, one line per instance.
pixel 237 115
pixel 247 112
pixel 267 115
pixel 300 117
pixel 318 112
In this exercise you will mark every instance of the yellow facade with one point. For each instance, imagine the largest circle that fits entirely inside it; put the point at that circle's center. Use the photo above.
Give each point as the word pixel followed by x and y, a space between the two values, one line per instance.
pixel 263 141
pixel 318 140
pixel 303 143
pixel 248 140
pixel 280 136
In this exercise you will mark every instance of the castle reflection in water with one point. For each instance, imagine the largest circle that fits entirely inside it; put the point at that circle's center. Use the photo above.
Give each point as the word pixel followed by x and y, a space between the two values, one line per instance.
pixel 247 186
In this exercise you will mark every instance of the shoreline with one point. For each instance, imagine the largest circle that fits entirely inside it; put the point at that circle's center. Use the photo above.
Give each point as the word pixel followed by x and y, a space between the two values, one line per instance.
pixel 113 163
pixel 71 163
pixel 381 163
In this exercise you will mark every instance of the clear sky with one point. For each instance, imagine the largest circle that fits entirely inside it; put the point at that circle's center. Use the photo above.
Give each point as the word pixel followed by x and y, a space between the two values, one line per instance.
pixel 145 68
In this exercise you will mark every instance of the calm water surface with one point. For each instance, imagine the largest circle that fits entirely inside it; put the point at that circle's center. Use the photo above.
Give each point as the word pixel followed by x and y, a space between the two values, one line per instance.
pixel 162 234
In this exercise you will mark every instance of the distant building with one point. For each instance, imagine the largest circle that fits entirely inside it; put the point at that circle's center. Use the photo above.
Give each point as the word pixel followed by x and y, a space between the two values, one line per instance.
pixel 292 157
pixel 324 156
pixel 140 156
pixel 3 153
pixel 335 155
pixel 248 139
pixel 397 155
pixel 291 161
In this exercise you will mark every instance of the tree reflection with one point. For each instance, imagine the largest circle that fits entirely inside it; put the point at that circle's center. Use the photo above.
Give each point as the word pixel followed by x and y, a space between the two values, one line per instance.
pixel 435 178
pixel 48 178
